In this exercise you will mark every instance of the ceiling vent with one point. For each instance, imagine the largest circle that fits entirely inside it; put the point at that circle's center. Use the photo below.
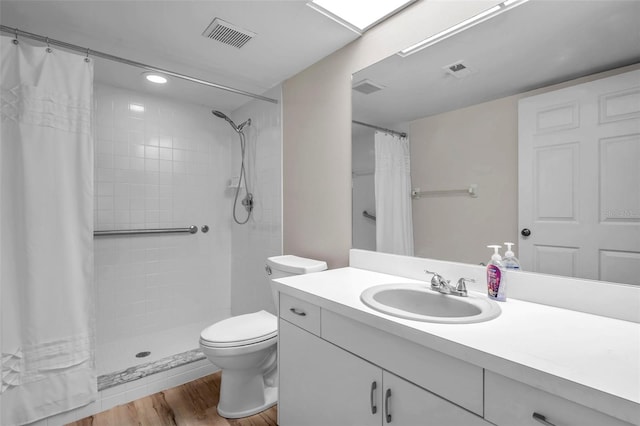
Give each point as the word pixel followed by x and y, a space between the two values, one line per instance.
pixel 367 87
pixel 227 33
pixel 458 69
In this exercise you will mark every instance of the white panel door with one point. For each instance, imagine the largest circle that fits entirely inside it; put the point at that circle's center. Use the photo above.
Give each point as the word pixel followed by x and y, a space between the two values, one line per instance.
pixel 579 180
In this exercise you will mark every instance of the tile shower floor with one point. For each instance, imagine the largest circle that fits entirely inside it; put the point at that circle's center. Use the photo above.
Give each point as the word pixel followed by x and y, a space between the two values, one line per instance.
pixel 120 355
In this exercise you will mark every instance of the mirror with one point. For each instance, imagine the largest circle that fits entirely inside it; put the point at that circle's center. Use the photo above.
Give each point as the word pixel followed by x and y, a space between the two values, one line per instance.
pixel 463 128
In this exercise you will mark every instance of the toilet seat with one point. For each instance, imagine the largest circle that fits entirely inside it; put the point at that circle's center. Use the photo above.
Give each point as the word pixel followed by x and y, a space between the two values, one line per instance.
pixel 241 330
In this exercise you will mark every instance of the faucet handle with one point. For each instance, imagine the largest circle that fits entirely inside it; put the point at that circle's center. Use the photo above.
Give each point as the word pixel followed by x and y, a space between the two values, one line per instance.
pixel 461 287
pixel 436 279
pixel 438 282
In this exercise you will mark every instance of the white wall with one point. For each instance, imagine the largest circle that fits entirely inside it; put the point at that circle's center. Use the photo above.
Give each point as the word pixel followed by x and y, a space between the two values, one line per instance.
pixel 261 237
pixel 317 129
pixel 164 167
pixel 473 145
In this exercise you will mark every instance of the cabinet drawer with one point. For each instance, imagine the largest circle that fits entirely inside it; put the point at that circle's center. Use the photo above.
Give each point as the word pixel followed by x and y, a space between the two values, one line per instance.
pixel 303 314
pixel 508 402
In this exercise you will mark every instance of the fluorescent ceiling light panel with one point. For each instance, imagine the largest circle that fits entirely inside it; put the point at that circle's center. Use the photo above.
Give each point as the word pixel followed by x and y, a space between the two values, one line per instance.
pixel 359 15
pixel 468 23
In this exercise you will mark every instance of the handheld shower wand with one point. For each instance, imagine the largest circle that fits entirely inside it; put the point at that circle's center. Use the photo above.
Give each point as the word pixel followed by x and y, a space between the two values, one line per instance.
pixel 230 121
pixel 247 201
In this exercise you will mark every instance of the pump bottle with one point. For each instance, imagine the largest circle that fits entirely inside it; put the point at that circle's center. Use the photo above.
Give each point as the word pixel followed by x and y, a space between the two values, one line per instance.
pixel 496 284
pixel 511 262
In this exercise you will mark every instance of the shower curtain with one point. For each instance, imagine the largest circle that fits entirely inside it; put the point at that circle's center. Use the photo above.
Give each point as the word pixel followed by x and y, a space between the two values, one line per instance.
pixel 46 232
pixel 394 225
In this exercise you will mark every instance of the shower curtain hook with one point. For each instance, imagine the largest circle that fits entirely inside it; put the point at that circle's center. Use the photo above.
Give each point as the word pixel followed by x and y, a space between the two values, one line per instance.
pixel 15 40
pixel 48 47
pixel 87 58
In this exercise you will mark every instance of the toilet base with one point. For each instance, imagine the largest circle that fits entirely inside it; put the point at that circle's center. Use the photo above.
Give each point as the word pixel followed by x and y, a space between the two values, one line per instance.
pixel 270 399
pixel 249 381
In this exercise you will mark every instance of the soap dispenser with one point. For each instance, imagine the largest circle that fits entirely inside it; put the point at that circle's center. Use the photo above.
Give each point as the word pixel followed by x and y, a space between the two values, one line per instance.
pixel 511 262
pixel 496 284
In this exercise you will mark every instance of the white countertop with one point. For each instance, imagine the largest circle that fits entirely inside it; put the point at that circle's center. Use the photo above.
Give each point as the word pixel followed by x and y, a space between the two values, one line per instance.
pixel 589 359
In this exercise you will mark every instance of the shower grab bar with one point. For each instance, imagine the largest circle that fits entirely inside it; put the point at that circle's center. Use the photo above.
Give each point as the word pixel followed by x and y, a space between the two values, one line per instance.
pixel 191 230
pixel 471 191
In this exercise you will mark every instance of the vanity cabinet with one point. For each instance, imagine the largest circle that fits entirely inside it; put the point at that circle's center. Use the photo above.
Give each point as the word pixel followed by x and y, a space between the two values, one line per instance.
pixel 335 370
pixel 509 402
pixel 323 384
pixel 506 372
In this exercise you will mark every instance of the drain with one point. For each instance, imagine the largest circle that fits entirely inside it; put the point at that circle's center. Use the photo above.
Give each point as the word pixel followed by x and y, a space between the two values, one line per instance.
pixel 143 354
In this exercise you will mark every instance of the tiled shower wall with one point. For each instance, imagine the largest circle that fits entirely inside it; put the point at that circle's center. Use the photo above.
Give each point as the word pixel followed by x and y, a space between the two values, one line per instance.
pixel 159 164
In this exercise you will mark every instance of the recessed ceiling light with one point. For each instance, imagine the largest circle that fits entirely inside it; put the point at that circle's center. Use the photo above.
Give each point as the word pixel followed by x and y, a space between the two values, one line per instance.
pixel 359 15
pixel 155 78
pixel 136 108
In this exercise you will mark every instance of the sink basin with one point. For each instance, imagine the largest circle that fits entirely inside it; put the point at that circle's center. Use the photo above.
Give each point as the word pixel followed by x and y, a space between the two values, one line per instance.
pixel 418 302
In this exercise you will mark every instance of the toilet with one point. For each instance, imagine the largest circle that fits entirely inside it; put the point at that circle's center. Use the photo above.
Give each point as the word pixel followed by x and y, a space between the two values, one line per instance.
pixel 244 347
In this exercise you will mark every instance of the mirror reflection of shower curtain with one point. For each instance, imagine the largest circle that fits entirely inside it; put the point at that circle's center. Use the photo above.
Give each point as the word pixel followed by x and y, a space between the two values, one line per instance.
pixel 394 224
pixel 46 232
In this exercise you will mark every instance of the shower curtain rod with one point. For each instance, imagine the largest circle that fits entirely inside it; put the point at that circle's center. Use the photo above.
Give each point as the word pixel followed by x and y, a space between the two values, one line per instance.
pixel 393 132
pixel 69 46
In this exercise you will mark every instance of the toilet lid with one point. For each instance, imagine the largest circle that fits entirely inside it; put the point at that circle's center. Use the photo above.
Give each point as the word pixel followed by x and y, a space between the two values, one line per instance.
pixel 295 264
pixel 241 330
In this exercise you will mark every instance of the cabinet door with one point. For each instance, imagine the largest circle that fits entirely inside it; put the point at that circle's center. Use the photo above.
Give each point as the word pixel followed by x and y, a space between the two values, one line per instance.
pixel 323 385
pixel 409 405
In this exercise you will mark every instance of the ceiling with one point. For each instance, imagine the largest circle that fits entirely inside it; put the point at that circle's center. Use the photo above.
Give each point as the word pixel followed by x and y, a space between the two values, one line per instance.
pixel 534 45
pixel 167 34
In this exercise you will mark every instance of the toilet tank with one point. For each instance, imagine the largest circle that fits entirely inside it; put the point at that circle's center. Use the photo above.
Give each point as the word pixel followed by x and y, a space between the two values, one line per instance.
pixel 288 265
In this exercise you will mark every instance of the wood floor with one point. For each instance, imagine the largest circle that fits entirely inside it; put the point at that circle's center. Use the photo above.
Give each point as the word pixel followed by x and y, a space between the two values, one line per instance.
pixel 193 403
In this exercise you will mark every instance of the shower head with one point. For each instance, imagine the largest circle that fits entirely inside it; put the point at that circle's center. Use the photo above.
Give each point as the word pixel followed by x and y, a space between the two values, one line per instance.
pixel 230 121
pixel 220 114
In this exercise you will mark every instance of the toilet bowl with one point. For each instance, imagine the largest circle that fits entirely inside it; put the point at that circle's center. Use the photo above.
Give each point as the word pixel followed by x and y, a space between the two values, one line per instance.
pixel 244 348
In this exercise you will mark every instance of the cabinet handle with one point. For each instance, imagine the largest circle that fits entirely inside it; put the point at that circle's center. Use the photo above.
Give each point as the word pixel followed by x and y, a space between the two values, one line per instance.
pixel 387 397
pixel 298 312
pixel 374 408
pixel 542 419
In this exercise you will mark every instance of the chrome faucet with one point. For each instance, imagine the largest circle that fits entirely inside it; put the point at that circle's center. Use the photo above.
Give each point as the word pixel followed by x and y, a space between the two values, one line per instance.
pixel 439 284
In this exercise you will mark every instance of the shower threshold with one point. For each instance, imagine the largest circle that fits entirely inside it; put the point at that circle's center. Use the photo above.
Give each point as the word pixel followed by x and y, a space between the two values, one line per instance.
pixel 140 371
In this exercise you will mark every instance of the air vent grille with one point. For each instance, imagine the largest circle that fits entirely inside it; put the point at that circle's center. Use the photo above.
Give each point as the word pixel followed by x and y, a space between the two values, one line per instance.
pixel 367 87
pixel 458 69
pixel 227 33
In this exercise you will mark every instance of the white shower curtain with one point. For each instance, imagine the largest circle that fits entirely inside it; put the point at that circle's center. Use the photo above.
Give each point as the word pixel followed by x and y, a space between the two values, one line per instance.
pixel 394 225
pixel 46 232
